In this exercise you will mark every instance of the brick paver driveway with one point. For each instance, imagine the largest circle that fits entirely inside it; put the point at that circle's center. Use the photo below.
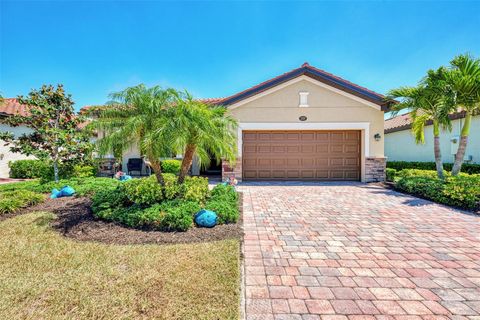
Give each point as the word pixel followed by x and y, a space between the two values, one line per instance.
pixel 333 251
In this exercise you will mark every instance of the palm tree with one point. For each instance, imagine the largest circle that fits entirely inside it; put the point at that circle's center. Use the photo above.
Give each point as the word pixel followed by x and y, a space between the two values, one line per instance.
pixel 133 117
pixel 463 77
pixel 426 102
pixel 198 129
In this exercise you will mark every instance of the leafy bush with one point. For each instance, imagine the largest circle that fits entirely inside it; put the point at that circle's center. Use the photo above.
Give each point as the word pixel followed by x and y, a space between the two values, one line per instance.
pixel 224 202
pixel 173 215
pixel 171 166
pixel 105 201
pixel 469 168
pixel 29 169
pixel 144 191
pixel 172 188
pixel 194 189
pixel 80 171
pixel 11 201
pixel 461 191
pixel 390 173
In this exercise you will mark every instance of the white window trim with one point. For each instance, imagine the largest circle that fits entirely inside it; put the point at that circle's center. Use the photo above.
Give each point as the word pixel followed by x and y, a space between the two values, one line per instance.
pixel 303 96
pixel 365 126
pixel 309 79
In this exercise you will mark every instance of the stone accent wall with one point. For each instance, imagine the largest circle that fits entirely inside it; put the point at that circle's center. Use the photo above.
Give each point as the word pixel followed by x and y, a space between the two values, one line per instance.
pixel 375 169
pixel 228 171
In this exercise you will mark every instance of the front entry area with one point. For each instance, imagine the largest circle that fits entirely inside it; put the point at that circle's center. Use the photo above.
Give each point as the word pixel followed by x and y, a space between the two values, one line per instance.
pixel 330 155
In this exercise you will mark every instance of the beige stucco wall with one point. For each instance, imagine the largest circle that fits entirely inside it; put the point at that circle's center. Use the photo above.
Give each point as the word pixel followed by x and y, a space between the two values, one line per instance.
pixel 401 146
pixel 5 154
pixel 324 106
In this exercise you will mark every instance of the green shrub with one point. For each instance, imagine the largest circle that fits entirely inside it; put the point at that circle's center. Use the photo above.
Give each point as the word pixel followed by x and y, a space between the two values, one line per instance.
pixel 172 215
pixel 29 169
pixel 227 211
pixel 11 201
pixel 171 166
pixel 461 191
pixel 80 171
pixel 172 188
pixel 144 191
pixel 109 199
pixel 224 202
pixel 469 168
pixel 194 189
pixel 390 174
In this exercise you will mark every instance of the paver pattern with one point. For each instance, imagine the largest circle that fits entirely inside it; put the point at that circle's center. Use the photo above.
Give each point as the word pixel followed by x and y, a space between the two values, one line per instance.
pixel 356 251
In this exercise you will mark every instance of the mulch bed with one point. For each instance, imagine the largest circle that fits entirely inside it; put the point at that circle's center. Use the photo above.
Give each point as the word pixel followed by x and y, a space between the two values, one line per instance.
pixel 75 220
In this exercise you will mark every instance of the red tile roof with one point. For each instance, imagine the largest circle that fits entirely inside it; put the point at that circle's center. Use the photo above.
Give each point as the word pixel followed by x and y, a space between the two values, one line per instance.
pixel 11 106
pixel 404 122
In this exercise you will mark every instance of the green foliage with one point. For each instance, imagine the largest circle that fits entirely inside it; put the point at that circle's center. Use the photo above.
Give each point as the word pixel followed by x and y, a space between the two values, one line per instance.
pixel 390 173
pixel 82 186
pixel 469 168
pixel 171 166
pixel 194 189
pixel 55 127
pixel 11 201
pixel 172 215
pixel 171 188
pixel 144 191
pixel 460 191
pixel 82 171
pixel 224 202
pixel 106 200
pixel 33 169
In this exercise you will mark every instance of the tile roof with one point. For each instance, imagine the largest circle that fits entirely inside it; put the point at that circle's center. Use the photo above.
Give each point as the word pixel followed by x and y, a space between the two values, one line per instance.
pixel 11 106
pixel 404 121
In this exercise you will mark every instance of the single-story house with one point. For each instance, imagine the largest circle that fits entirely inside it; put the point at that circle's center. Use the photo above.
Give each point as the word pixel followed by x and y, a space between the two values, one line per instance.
pixel 305 124
pixel 400 143
pixel 9 107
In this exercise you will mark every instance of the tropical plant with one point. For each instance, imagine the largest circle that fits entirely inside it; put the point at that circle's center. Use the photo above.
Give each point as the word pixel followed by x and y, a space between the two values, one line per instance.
pixel 56 132
pixel 463 79
pixel 198 129
pixel 136 116
pixel 426 102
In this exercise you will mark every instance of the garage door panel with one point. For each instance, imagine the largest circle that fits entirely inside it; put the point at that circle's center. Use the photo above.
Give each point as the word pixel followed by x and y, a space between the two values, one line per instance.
pixel 301 154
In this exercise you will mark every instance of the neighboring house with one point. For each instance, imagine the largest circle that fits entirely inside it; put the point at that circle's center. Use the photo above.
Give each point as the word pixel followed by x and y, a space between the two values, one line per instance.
pixel 400 143
pixel 306 124
pixel 9 107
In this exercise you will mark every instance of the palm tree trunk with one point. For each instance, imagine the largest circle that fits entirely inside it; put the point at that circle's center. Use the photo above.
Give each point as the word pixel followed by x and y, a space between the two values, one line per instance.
pixel 436 148
pixel 462 147
pixel 186 162
pixel 157 167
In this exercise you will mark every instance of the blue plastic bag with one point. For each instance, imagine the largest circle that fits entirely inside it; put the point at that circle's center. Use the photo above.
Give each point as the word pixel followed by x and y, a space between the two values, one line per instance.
pixel 206 218
pixel 66 191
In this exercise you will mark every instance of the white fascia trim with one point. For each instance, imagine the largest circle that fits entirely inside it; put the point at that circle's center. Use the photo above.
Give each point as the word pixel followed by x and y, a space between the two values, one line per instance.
pixel 306 78
pixel 365 126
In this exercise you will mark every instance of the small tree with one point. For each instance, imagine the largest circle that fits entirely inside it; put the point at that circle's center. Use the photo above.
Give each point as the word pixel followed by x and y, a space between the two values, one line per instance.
pixel 197 129
pixel 134 117
pixel 426 102
pixel 55 127
pixel 463 78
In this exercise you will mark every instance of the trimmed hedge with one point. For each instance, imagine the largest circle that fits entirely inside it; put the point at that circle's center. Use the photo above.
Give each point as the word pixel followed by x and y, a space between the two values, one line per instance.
pixel 462 191
pixel 469 168
pixel 171 166
pixel 224 201
pixel 43 169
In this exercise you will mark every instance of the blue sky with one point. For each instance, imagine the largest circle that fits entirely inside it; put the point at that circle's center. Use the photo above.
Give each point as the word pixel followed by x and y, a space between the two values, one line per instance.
pixel 219 48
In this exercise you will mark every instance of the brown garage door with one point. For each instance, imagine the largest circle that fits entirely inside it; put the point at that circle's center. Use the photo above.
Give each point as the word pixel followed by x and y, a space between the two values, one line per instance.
pixel 301 155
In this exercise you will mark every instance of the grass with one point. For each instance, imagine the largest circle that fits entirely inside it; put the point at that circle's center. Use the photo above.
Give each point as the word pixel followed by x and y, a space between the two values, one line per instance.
pixel 46 276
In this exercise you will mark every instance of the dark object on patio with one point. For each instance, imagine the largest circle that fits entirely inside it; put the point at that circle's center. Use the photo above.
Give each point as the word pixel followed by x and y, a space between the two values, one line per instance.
pixel 134 164
pixel 106 167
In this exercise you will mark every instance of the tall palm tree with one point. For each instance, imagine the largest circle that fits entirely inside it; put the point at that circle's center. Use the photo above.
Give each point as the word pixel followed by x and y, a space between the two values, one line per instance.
pixel 426 102
pixel 133 117
pixel 463 77
pixel 198 129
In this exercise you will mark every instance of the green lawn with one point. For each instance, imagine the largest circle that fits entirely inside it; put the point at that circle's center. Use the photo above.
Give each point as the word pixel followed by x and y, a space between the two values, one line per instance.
pixel 46 276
